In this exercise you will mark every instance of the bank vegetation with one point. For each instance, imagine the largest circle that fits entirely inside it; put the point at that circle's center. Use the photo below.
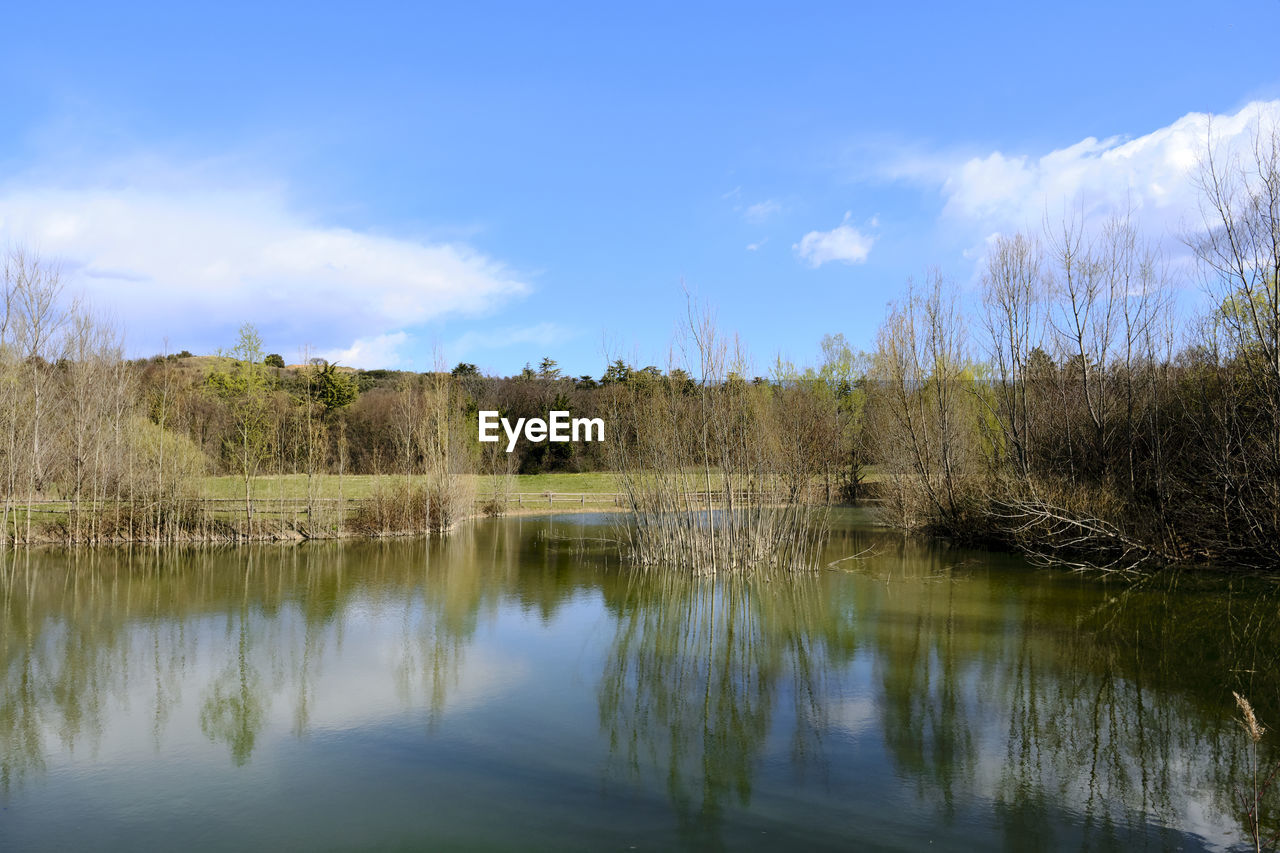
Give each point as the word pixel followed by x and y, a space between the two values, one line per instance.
pixel 1066 406
pixel 1073 413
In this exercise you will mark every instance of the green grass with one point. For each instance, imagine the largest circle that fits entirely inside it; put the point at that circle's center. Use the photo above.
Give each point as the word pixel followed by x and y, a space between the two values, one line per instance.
pixel 363 485
pixel 588 482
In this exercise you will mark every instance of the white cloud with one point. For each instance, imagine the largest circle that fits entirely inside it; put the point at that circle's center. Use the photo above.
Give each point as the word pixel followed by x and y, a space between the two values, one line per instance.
pixel 843 243
pixel 760 212
pixel 1151 175
pixel 191 262
pixel 381 351
pixel 755 247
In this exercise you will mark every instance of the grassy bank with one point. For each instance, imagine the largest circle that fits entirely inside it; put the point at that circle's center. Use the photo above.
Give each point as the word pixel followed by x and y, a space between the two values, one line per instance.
pixel 359 486
pixel 281 509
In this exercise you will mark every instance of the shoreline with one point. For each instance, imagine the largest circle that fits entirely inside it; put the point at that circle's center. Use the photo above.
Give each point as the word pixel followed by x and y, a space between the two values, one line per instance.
pixel 294 535
pixel 604 504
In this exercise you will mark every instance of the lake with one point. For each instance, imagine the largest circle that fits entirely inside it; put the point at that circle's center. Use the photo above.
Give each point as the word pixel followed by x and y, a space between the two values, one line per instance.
pixel 510 686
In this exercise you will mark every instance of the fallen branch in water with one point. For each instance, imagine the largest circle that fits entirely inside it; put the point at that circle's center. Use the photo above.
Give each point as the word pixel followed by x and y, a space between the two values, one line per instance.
pixel 861 555
pixel 1053 535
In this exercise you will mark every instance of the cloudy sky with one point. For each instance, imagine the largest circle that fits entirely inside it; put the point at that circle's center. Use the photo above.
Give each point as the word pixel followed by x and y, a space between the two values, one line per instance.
pixel 497 183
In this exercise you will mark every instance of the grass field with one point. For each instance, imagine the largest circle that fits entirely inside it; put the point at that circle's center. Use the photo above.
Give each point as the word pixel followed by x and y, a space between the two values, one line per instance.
pixel 363 485
pixel 528 493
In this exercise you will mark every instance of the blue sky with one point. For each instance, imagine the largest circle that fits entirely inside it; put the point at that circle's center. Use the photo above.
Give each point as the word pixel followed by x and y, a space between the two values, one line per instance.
pixel 502 182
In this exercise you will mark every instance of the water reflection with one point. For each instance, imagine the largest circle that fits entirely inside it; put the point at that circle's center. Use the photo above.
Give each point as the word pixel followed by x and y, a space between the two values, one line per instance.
pixel 1092 713
pixel 921 694
pixel 696 671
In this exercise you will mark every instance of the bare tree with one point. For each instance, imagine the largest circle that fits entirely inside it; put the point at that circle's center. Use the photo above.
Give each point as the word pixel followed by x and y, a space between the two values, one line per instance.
pixel 1239 255
pixel 924 433
pixel 38 317
pixel 1084 321
pixel 1013 301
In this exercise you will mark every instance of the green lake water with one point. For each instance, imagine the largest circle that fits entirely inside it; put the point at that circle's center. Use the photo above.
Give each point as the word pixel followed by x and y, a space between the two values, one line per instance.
pixel 511 687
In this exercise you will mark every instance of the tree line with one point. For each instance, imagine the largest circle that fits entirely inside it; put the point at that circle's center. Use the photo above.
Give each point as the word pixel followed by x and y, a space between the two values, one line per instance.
pixel 1063 406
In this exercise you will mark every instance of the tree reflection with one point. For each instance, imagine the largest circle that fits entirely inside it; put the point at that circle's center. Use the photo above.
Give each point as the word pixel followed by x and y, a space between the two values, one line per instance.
pixel 84 632
pixel 1061 710
pixel 1098 714
pixel 235 709
pixel 924 643
pixel 22 748
pixel 695 675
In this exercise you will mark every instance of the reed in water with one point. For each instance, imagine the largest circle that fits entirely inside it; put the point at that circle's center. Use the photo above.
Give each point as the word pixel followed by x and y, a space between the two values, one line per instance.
pixel 717 472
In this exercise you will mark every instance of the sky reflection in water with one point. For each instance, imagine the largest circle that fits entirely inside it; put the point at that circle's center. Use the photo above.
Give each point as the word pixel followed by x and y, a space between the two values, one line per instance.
pixel 507 687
